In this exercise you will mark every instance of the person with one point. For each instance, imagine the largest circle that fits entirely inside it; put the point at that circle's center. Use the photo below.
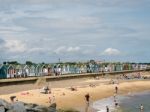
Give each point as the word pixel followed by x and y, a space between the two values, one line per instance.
pixel 73 88
pixel 87 99
pixel 12 99
pixel 116 103
pixel 114 97
pixel 107 109
pixel 45 90
pixel 141 108
pixel 51 99
pixel 116 89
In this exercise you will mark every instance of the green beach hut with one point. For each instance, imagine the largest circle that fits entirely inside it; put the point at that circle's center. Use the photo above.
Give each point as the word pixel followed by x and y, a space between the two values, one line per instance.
pixel 3 72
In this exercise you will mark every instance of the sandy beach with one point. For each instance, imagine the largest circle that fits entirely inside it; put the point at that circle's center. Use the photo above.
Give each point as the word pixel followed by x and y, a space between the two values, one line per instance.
pixel 65 98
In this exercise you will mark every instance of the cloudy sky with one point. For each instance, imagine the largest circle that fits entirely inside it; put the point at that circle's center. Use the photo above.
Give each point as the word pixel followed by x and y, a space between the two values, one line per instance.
pixel 74 30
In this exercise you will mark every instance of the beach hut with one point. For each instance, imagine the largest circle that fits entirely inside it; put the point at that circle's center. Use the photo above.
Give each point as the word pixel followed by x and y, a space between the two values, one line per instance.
pixel 25 70
pixel 118 67
pixel 38 70
pixel 44 69
pixel 50 70
pixel 32 69
pixel 64 69
pixel 3 71
pixel 83 68
pixel 11 73
pixel 18 70
pixel 126 66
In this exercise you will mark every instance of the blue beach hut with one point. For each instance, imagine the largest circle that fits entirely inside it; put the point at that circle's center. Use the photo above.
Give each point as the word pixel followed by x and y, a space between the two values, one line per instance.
pixel 3 72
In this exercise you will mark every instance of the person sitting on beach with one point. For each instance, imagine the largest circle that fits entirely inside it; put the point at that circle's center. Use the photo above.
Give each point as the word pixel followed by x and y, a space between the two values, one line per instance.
pixel 73 88
pixel 112 81
pixel 45 90
pixel 92 85
pixel 97 78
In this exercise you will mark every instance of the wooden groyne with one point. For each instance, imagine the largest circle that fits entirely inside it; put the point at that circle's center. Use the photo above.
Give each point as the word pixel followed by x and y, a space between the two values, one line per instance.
pixel 32 80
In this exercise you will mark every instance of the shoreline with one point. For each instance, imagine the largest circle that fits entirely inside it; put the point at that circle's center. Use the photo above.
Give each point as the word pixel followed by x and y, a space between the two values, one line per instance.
pixel 65 98
pixel 100 105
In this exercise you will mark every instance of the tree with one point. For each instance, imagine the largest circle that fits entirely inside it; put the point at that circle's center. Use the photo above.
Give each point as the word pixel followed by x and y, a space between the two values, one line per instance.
pixel 29 62
pixel 13 62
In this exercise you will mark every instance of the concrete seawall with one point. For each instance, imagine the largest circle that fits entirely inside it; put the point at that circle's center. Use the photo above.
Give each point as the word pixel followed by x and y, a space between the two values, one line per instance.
pixel 32 80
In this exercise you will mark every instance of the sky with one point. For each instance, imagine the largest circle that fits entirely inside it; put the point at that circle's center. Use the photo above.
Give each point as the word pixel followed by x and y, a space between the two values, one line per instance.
pixel 74 30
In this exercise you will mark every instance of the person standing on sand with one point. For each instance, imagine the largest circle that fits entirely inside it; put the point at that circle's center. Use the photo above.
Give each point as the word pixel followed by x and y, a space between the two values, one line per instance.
pixel 116 89
pixel 107 109
pixel 87 99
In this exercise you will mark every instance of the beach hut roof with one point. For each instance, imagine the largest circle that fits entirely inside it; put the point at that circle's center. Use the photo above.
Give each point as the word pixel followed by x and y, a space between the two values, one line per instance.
pixel 4 66
pixel 33 65
pixel 24 66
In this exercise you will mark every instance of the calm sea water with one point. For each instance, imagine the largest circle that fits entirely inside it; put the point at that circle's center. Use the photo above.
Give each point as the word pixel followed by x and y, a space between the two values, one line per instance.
pixel 128 103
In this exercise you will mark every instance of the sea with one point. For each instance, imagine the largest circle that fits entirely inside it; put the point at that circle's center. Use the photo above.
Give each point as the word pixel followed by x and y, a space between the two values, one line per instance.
pixel 128 103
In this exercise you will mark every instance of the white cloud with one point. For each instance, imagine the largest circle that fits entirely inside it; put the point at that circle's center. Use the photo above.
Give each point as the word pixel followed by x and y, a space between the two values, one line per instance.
pixel 73 49
pixel 111 51
pixel 64 49
pixel 35 50
pixel 15 46
pixel 11 29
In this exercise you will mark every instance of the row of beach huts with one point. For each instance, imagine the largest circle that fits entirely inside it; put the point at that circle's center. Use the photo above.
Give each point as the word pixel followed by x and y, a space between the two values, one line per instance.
pixel 28 70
